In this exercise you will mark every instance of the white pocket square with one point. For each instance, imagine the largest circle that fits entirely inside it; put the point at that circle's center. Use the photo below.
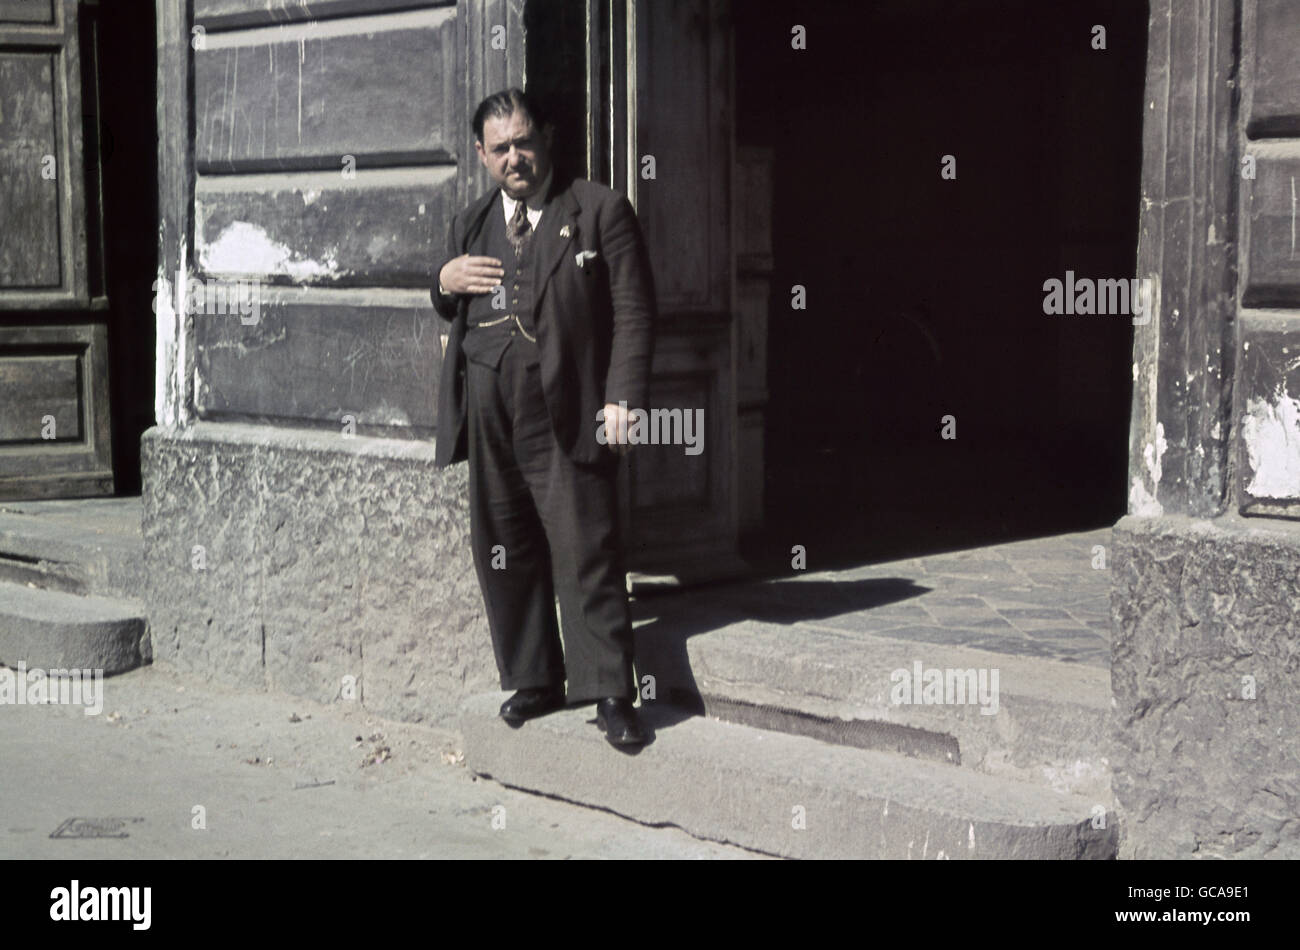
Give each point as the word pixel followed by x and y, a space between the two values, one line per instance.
pixel 583 256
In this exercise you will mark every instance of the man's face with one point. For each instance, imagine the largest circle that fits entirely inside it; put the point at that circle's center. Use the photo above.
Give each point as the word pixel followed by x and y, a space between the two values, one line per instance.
pixel 516 155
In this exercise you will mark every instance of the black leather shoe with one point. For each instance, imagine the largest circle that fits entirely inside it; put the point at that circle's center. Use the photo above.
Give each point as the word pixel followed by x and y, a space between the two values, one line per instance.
pixel 530 703
pixel 617 718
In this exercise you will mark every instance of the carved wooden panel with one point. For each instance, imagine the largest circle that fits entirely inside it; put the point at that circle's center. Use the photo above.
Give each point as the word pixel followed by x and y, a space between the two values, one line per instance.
pixel 54 430
pixel 1272 93
pixel 29 172
pixel 683 119
pixel 27 11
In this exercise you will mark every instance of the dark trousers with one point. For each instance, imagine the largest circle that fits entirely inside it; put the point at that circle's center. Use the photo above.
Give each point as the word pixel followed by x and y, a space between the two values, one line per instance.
pixel 542 525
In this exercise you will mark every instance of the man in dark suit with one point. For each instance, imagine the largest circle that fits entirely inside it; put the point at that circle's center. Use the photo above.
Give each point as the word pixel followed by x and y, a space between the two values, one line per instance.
pixel 547 287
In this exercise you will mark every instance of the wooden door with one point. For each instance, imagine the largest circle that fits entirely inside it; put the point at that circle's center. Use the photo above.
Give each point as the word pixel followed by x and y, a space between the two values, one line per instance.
pixel 54 412
pixel 671 145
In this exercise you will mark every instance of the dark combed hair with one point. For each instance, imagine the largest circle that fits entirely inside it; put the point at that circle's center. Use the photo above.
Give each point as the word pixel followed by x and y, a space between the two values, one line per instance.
pixel 501 105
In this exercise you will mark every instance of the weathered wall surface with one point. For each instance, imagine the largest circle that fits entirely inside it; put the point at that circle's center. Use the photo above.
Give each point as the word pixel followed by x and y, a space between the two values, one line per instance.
pixel 1205 650
pixel 1205 667
pixel 293 560
pixel 315 152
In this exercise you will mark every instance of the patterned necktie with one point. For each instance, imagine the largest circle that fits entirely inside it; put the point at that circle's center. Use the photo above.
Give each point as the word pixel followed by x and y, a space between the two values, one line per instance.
pixel 519 231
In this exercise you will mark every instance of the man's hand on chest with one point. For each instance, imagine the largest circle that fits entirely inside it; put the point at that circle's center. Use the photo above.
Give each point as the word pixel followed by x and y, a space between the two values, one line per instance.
pixel 470 274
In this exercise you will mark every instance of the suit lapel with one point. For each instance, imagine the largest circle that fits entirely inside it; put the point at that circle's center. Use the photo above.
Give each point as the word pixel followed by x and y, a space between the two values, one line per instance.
pixel 478 213
pixel 475 217
pixel 549 244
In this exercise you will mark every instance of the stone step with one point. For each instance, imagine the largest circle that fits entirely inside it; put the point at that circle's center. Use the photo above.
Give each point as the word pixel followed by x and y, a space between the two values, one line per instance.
pixel 70 577
pixel 48 629
pixel 82 546
pixel 727 782
pixel 1048 726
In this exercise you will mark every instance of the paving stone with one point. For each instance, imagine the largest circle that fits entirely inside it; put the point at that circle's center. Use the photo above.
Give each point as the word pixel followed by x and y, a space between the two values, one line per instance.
pixel 983 618
pixel 1033 613
pixel 1082 634
pixel 935 600
pixel 932 634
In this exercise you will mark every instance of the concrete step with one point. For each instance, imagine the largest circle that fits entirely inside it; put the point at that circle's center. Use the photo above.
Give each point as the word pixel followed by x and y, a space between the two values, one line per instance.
pixel 77 546
pixel 1048 726
pixel 54 630
pixel 727 782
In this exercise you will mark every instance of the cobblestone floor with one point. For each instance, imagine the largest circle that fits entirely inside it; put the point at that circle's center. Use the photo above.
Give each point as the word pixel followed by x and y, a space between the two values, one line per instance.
pixel 1040 597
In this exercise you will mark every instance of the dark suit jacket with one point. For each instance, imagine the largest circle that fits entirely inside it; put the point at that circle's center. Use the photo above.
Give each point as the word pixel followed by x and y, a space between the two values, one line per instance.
pixel 594 322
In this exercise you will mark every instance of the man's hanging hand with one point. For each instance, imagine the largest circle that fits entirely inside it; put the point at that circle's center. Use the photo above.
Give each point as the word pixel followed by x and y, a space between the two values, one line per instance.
pixel 616 423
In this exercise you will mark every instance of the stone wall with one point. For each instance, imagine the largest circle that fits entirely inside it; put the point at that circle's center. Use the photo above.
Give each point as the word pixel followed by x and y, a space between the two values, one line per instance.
pixel 1203 612
pixel 292 560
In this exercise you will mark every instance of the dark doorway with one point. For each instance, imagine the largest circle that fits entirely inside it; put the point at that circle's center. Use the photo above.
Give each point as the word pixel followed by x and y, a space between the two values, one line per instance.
pixel 924 296
pixel 127 61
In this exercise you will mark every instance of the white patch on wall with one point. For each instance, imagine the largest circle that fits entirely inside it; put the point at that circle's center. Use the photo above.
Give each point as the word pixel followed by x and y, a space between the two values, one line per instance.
pixel 171 339
pixel 1142 502
pixel 246 250
pixel 1271 433
pixel 1154 453
pixel 165 339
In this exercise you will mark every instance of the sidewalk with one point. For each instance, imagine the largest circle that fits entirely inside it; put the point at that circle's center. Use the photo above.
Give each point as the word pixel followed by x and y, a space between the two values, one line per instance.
pixel 167 742
pixel 804 661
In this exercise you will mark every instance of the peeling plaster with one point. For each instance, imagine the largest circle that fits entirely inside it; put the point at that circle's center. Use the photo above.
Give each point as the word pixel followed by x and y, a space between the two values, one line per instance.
pixel 1153 453
pixel 1271 434
pixel 171 340
pixel 246 249
pixel 1142 502
pixel 165 335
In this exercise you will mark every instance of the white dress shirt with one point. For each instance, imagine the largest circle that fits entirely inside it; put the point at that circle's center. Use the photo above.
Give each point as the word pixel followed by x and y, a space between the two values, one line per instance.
pixel 535 202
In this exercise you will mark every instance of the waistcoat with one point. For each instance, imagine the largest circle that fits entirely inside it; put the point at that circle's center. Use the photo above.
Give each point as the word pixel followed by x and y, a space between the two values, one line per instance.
pixel 491 329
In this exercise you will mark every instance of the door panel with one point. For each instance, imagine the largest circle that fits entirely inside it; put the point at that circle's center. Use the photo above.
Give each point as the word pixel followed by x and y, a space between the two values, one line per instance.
pixel 27 11
pixel 28 157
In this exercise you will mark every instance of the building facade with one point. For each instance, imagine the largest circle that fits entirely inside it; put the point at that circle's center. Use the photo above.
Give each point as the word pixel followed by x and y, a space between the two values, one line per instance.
pixel 308 157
